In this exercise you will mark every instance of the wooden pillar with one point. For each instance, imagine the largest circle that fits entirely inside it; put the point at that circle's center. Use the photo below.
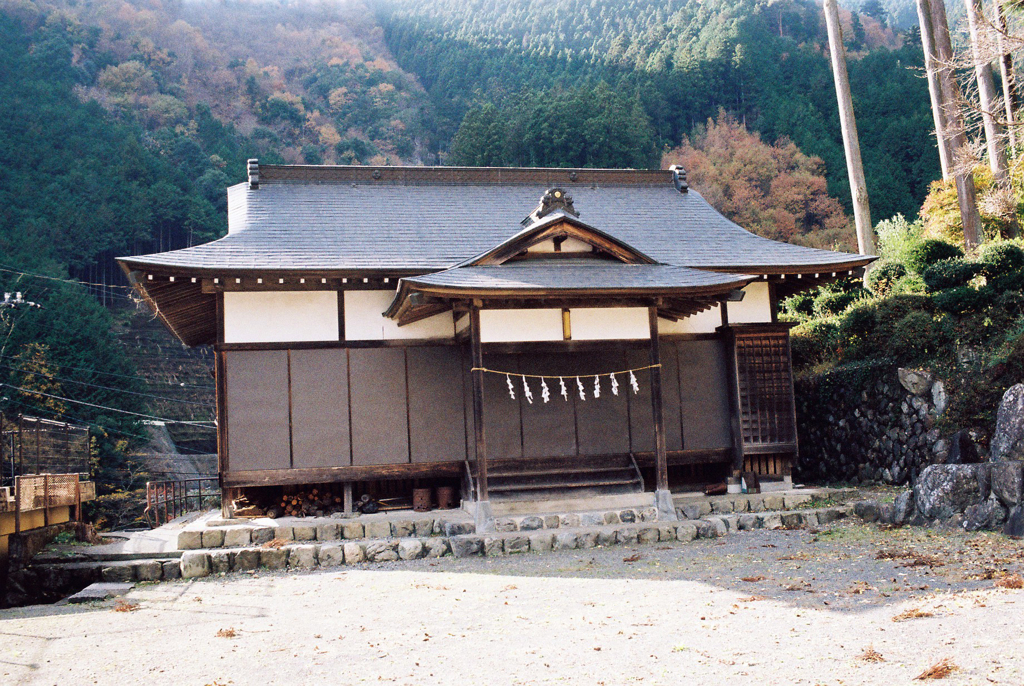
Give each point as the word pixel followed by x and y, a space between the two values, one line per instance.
pixel 660 453
pixel 17 504
pixel 46 497
pixel 477 357
pixel 349 509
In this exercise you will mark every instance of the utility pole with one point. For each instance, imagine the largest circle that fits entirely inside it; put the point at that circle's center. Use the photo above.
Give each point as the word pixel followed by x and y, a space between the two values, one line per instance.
pixel 848 124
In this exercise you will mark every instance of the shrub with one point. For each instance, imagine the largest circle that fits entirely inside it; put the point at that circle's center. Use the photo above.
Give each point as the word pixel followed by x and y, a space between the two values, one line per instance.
pixel 930 251
pixel 914 337
pixel 897 237
pixel 1014 281
pixel 1000 259
pixel 832 303
pixel 911 284
pixel 856 330
pixel 883 275
pixel 951 273
pixel 813 342
pixel 963 299
pixel 800 305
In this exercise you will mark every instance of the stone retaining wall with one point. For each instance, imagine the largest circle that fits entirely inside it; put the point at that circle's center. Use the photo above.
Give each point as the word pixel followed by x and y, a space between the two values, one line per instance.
pixel 869 425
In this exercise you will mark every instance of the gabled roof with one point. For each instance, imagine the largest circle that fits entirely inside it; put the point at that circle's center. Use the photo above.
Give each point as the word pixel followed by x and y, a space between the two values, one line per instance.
pixel 408 220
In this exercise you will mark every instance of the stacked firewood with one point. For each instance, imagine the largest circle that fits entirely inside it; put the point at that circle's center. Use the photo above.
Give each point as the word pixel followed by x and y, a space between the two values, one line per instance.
pixel 311 503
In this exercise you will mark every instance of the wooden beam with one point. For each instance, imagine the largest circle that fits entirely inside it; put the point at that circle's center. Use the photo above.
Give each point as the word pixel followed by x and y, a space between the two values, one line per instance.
pixel 477 358
pixel 322 475
pixel 661 459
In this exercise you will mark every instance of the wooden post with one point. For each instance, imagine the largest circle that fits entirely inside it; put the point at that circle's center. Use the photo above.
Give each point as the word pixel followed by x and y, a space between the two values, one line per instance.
pixel 17 504
pixel 848 124
pixel 987 95
pixel 348 498
pixel 477 357
pixel 662 493
pixel 78 501
pixel 46 498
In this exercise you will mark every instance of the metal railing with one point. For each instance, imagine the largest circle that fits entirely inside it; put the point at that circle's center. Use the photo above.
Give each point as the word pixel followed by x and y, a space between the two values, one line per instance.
pixel 167 500
pixel 46 491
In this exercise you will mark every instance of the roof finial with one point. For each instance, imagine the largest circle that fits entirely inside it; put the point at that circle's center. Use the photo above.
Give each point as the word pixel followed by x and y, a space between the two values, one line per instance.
pixel 679 177
pixel 253 168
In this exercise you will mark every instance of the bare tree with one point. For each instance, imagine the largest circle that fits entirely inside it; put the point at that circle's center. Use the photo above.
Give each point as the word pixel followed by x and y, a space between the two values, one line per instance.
pixel 987 96
pixel 848 123
pixel 1006 74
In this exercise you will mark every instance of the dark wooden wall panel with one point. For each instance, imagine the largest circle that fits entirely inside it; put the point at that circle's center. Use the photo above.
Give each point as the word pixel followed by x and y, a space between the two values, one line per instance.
pixel 641 416
pixel 467 400
pixel 705 394
pixel 437 429
pixel 549 429
pixel 320 429
pixel 380 427
pixel 257 399
pixel 670 397
pixel 502 417
pixel 602 423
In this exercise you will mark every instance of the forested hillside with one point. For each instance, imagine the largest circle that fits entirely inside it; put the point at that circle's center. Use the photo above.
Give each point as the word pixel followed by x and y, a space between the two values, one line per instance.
pixel 678 62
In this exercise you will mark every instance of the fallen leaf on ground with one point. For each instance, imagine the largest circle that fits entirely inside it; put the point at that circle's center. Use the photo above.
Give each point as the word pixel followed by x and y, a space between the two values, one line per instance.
pixel 1014 581
pixel 940 670
pixel 912 613
pixel 752 579
pixel 227 633
pixel 632 558
pixel 751 599
pixel 871 655
pixel 125 606
pixel 274 543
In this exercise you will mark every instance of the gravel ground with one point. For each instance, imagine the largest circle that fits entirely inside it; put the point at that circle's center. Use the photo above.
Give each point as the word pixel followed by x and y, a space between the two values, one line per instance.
pixel 775 607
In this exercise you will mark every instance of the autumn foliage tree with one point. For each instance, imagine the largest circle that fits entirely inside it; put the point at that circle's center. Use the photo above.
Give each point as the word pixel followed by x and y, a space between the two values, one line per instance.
pixel 775 191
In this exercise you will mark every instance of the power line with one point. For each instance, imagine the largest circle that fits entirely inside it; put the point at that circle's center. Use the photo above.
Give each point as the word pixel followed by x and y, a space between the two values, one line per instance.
pixel 11 270
pixel 121 376
pixel 110 409
pixel 105 388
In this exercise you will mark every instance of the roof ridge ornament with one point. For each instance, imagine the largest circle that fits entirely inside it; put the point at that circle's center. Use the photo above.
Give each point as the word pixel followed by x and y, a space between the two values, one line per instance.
pixel 679 178
pixel 553 200
pixel 252 167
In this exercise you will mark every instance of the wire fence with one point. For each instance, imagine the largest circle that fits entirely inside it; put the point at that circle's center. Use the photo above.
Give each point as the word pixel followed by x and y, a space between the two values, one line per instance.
pixel 32 445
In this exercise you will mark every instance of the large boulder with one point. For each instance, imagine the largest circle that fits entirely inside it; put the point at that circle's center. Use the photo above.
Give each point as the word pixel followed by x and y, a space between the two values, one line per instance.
pixel 944 490
pixel 1008 440
pixel 1006 480
pixel 916 381
pixel 962 449
pixel 988 514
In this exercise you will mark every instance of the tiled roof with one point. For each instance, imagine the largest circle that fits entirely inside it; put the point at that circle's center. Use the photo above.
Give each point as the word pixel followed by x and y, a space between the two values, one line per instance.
pixel 426 219
pixel 586 275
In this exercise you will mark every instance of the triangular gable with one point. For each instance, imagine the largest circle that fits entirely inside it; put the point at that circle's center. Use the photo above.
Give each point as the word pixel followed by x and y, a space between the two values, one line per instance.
pixel 556 226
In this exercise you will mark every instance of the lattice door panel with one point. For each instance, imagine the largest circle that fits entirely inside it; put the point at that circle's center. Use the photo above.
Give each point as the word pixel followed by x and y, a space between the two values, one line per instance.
pixel 765 385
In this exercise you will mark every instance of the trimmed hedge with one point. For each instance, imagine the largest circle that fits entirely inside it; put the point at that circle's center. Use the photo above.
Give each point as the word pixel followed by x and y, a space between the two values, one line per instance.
pixel 1000 259
pixel 951 273
pixel 930 251
pixel 883 275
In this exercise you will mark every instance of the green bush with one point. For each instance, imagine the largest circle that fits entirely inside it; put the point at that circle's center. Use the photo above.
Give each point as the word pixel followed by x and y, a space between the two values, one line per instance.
pixel 1014 281
pixel 1000 259
pixel 856 330
pixel 914 337
pixel 831 303
pixel 963 299
pixel 951 273
pixel 930 251
pixel 800 306
pixel 813 342
pixel 897 237
pixel 911 284
pixel 883 275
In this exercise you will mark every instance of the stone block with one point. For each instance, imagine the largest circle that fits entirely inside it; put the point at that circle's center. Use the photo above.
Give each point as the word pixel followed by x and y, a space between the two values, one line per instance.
pixel 795 501
pixel 304 532
pixel 330 531
pixel 517 544
pixel 378 528
pixel 190 540
pixel 1007 482
pixel 274 558
pixel 194 564
pixel 611 518
pixel 591 519
pixel 649 514
pixel 213 538
pixel 1014 525
pixel 284 533
pixel 770 520
pixel 458 528
pixel 792 520
pixel 732 522
pixel 531 523
pixel 667 532
pixel 424 527
pixel 625 535
pixel 565 540
pixel 467 545
pixel 149 570
pixel 331 554
pixel 811 518
pixel 586 539
pixel 382 551
pixel 351 530
pixel 832 514
pixel 118 574
pixel 1008 438
pixel 410 549
pixel 774 502
pixel 246 560
pixel 261 535
pixel 868 510
pixel 755 503
pixel 171 569
pixel 627 516
pixel 237 536
pixel 747 522
pixel 555 521
pixel 541 541
pixel 494 546
pixel 710 528
pixel 689 511
pixel 648 534
pixel 302 557
pixel 220 561
pixel 989 514
pixel 606 537
pixel 686 532
pixel 505 524
pixel 354 552
pixel 435 547
pixel 403 528
pixel 721 506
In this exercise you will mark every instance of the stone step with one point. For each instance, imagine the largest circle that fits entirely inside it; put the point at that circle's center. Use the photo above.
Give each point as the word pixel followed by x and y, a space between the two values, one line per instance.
pixel 100 590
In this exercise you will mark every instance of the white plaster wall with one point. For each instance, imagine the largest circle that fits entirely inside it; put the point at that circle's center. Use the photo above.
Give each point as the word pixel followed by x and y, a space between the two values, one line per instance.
pixel 755 308
pixel 364 320
pixel 702 322
pixel 514 326
pixel 280 316
pixel 573 245
pixel 609 323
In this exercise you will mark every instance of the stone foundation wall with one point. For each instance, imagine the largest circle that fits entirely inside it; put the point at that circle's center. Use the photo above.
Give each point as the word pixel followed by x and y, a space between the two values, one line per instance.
pixel 868 425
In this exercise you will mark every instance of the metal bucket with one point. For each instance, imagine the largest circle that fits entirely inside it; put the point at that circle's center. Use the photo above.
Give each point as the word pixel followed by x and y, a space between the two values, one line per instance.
pixel 421 499
pixel 445 497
